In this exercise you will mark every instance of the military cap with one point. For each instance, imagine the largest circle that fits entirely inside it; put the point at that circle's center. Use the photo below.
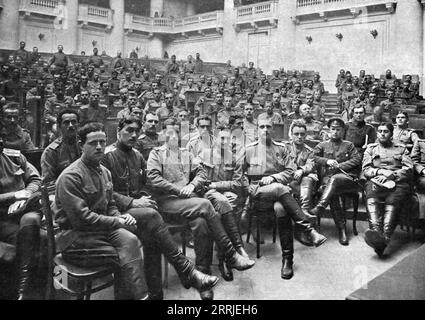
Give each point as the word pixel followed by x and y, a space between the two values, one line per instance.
pixel 338 121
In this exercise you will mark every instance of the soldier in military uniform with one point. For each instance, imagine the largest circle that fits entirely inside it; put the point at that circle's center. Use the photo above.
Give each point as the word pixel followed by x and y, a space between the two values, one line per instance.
pixel 94 111
pixel 278 106
pixel 418 158
pixel 249 99
pixel 361 100
pixel 346 97
pixel 270 168
pixel 316 110
pixel 19 219
pixel 318 84
pixel 153 105
pixel 127 168
pixel 168 110
pixel 39 93
pixel 204 100
pixel 12 88
pixel 388 170
pixel 314 128
pixel 391 105
pixel 358 131
pixel 149 139
pixel 249 124
pixel 14 136
pixel 225 176
pixel 178 182
pixel 332 156
pixel 64 150
pixel 402 134
pixel 55 105
pixel 275 117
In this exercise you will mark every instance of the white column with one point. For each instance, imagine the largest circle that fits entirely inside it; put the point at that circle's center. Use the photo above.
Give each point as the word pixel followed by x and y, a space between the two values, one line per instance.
pixel 117 34
pixel 284 53
pixel 230 51
pixel 157 6
pixel 70 28
pixel 9 25
pixel 408 56
pixel 156 48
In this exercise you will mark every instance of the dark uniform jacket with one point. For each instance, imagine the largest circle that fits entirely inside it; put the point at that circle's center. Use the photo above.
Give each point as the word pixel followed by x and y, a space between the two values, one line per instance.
pixel 16 174
pixel 18 139
pixel 57 157
pixel 89 113
pixel 303 159
pixel 394 157
pixel 145 143
pixel 418 156
pixel 343 151
pixel 356 133
pixel 127 169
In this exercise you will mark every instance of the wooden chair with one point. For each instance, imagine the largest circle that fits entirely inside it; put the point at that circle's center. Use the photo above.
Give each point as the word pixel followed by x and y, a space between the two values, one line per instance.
pixel 81 278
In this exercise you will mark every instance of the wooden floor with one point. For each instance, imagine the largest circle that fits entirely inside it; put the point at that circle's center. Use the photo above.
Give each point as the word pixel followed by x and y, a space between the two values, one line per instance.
pixel 331 271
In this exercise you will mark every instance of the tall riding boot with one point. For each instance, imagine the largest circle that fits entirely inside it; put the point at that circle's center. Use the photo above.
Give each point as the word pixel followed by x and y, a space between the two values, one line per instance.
pixel 284 225
pixel 319 209
pixel 153 273
pixel 28 248
pixel 306 197
pixel 374 235
pixel 390 217
pixel 297 215
pixel 226 272
pixel 338 215
pixel 234 259
pixel 189 276
pixel 229 223
pixel 131 284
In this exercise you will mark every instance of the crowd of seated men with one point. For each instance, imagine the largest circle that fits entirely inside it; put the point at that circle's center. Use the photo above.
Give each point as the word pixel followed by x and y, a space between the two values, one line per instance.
pixel 128 148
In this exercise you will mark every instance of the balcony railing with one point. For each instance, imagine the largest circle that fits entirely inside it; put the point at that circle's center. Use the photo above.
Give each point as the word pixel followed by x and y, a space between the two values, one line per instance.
pixel 257 12
pixel 210 20
pixel 50 8
pixel 95 15
pixel 305 7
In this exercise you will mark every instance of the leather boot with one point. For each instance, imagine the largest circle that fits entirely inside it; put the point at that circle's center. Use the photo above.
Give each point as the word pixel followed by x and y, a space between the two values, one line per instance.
pixel 229 223
pixel 131 284
pixel 319 210
pixel 306 196
pixel 153 273
pixel 339 217
pixel 301 223
pixel 234 259
pixel 226 272
pixel 206 294
pixel 284 225
pixel 390 217
pixel 189 276
pixel 374 236
pixel 28 248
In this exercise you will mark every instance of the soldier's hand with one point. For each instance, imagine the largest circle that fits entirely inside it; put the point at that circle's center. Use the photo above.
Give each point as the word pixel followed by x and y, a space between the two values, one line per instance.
pixel 212 186
pixel 187 191
pixel 144 202
pixel 381 179
pixel 266 181
pixel 22 195
pixel 298 174
pixel 332 163
pixel 386 173
pixel 14 207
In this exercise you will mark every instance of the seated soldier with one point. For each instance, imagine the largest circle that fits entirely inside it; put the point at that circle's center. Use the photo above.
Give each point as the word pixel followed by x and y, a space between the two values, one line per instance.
pixel 338 159
pixel 275 117
pixel 14 136
pixel 388 170
pixel 265 90
pixel 377 116
pixel 294 107
pixel 12 88
pixel 149 139
pixel 114 83
pixel 178 182
pixel 249 124
pixel 358 131
pixel 227 111
pixel 82 99
pixel 391 105
pixel 372 102
pixel 19 218
pixel 309 88
pixel 168 110
pixel 127 82
pixel 406 93
pixel 249 99
pixel 74 89
pixel 55 105
pixel 205 100
pixel 95 232
pixel 39 93
pixel 316 109
pixel 346 97
pixel 270 168
pixel 122 102
pixel 295 93
pixel 278 106
pixel 225 176
pixel 360 100
pixel 156 103
pixel 127 166
pixel 318 84
pixel 314 128
pixel 94 111
pixel 131 103
pixel 64 150
pixel 418 158
pixel 402 133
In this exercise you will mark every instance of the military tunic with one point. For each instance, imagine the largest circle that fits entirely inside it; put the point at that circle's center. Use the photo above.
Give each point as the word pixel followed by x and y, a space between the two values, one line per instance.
pixel 357 132
pixel 405 136
pixel 90 113
pixel 18 139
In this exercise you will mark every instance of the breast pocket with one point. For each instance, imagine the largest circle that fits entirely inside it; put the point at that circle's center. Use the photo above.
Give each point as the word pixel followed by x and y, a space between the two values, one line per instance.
pixel 91 193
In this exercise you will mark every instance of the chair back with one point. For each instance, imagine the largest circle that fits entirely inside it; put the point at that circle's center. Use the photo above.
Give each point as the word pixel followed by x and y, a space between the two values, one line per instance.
pixel 51 246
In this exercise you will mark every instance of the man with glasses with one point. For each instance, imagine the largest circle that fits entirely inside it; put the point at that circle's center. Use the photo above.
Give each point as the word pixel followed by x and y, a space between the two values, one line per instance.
pixel 149 139
pixel 270 168
pixel 168 110
pixel 388 170
pixel 94 111
pixel 178 181
pixel 64 150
